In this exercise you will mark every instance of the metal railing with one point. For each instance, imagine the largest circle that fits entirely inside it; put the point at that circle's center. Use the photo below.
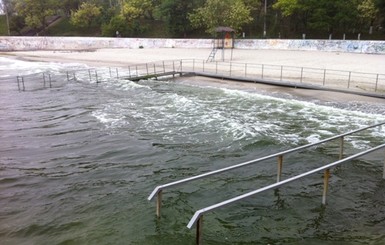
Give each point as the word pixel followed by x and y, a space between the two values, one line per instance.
pixel 158 191
pixel 198 215
pixel 284 75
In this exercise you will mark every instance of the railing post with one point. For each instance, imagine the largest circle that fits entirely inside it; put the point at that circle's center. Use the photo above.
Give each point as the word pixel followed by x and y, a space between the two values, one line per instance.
pixel 324 77
pixel 246 70
pixel 193 64
pixel 301 74
pixel 231 64
pixel 18 83
pixel 129 72
pixel 117 73
pixel 350 75
pixel 279 171
pixel 326 185
pixel 44 79
pixel 181 67
pixel 96 76
pixel 281 72
pixel 147 68
pixel 203 65
pixel 49 79
pixel 216 67
pixel 262 71
pixel 341 147
pixel 383 175
pixel 89 74
pixel 375 89
pixel 22 81
pixel 158 203
pixel 164 68
pixel 198 237
pixel 109 68
pixel 173 68
pixel 154 69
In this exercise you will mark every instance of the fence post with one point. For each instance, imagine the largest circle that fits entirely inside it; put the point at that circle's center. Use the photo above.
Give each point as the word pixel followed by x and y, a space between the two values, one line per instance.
pixel 231 64
pixel 279 172
pixel 324 77
pixel 117 73
pixel 158 203
pixel 246 70
pixel 216 67
pixel 301 74
pixel 198 237
pixel 383 175
pixel 375 89
pixel 89 73
pixel 44 79
pixel 18 85
pixel 341 147
pixel 203 63
pixel 173 68
pixel 350 75
pixel 262 71
pixel 22 81
pixel 326 185
pixel 49 79
pixel 281 72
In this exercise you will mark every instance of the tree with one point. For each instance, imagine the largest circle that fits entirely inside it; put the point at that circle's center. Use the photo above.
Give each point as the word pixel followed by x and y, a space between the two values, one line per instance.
pixel 86 15
pixel 368 12
pixel 380 4
pixel 133 9
pixel 35 12
pixel 176 13
pixel 232 13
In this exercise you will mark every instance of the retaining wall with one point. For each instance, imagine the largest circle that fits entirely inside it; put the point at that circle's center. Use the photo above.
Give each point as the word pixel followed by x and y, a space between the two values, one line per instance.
pixel 86 43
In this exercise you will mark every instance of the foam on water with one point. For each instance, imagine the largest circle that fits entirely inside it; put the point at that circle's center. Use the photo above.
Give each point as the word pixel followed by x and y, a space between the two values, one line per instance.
pixel 83 157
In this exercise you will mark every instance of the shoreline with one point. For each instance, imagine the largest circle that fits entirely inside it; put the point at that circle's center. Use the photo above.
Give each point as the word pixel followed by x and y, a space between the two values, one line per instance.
pixel 368 63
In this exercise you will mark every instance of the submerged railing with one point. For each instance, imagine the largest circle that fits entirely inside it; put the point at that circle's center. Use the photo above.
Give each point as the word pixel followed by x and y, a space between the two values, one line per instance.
pixel 197 218
pixel 274 74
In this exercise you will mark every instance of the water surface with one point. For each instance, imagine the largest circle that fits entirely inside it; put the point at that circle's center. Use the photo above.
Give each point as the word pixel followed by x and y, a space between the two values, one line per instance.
pixel 79 159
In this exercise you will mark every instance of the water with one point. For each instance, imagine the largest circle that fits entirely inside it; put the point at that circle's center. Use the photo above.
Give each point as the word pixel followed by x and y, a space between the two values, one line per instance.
pixel 78 161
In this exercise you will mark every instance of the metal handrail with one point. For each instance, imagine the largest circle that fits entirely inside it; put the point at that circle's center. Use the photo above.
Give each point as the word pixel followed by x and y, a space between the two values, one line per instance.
pixel 247 71
pixel 197 217
pixel 158 189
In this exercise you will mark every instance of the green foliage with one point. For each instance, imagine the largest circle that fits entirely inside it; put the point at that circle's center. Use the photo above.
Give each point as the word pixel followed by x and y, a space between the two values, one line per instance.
pixel 133 9
pixel 120 24
pixel 288 7
pixel 175 13
pixel 63 27
pixel 182 18
pixel 368 11
pixel 232 13
pixel 86 15
pixel 3 26
pixel 35 12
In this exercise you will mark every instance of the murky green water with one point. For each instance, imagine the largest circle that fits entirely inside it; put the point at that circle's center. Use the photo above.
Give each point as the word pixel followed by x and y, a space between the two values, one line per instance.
pixel 78 161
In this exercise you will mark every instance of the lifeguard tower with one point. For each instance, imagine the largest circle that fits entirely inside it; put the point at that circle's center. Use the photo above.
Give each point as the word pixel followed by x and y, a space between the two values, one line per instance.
pixel 224 39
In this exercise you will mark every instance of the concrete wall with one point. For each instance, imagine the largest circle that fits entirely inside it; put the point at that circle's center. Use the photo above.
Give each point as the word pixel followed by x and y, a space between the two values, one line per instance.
pixel 83 43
